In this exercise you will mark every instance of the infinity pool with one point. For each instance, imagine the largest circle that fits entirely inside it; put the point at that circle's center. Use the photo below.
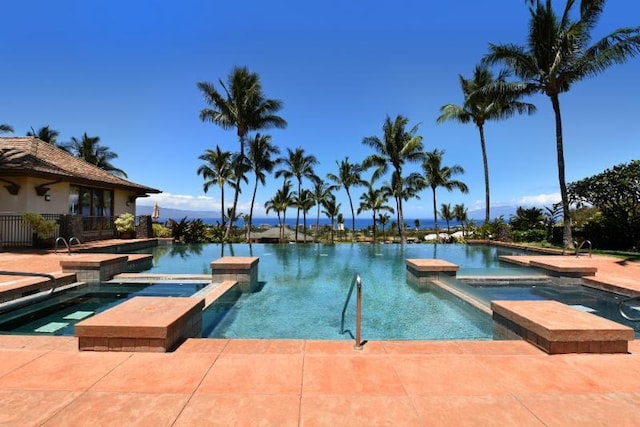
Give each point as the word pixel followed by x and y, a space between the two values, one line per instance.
pixel 303 289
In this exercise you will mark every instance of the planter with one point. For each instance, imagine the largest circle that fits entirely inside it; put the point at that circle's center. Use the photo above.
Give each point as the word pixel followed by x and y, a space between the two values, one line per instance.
pixel 127 234
pixel 47 243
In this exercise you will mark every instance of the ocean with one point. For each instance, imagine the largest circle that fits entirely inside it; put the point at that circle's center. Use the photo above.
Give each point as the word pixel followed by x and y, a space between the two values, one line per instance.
pixel 361 223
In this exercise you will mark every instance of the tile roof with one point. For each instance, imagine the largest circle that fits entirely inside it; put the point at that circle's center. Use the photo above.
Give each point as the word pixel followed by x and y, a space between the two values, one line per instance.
pixel 31 156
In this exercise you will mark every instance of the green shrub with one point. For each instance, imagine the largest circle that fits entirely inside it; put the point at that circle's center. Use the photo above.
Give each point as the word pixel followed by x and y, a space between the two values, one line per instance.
pixel 42 228
pixel 125 222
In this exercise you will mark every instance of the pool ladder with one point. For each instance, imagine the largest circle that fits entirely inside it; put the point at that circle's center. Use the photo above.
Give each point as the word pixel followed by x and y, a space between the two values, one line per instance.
pixel 579 246
pixel 28 299
pixel 621 305
pixel 67 244
pixel 357 283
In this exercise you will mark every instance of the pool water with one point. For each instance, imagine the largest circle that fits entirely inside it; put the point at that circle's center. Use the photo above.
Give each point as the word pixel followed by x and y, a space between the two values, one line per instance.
pixel 595 301
pixel 59 314
pixel 303 288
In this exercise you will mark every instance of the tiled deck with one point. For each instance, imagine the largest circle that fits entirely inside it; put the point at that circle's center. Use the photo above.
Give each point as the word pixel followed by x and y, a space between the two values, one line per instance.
pixel 47 381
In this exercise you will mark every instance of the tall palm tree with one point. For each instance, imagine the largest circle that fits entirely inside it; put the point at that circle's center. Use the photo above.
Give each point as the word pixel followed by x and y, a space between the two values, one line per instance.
pixel 460 212
pixel 321 192
pixel 88 148
pixel 348 176
pixel 279 203
pixel 479 107
pixel 304 201
pixel 436 175
pixel 261 161
pixel 403 189
pixel 374 200
pixel 240 165
pixel 5 128
pixel 331 210
pixel 384 220
pixel 45 134
pixel 447 214
pixel 241 106
pixel 557 54
pixel 218 171
pixel 299 165
pixel 396 147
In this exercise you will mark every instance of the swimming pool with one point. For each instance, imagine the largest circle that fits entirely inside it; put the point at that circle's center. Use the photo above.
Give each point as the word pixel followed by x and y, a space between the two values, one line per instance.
pixel 572 293
pixel 58 314
pixel 303 288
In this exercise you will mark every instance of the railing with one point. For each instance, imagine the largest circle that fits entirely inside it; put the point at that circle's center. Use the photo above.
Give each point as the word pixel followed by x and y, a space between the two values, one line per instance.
pixel 9 305
pixel 626 301
pixel 15 233
pixel 356 282
pixel 67 244
pixel 578 247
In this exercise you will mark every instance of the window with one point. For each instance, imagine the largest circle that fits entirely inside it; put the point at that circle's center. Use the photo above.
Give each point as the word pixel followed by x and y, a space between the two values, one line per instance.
pixel 87 201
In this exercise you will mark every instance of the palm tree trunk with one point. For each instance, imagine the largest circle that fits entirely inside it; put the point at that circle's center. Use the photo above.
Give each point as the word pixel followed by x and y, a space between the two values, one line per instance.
pixel 567 238
pixel 403 231
pixel 315 235
pixel 222 203
pixel 353 219
pixel 435 213
pixel 253 200
pixel 485 163
pixel 233 210
pixel 298 210
pixel 374 226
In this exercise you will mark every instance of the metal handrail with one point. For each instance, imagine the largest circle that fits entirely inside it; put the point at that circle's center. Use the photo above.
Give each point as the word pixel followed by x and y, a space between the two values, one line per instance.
pixel 625 315
pixel 356 281
pixel 8 305
pixel 66 244
pixel 578 247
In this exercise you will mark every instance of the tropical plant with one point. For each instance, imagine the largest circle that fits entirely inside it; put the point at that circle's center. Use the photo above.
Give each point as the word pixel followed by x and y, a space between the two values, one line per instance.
pixel 299 165
pixel 42 228
pixel 240 165
pixel 331 210
pixel 479 107
pixel 374 200
pixel 384 220
pixel 261 161
pixel 447 214
pixel 558 54
pixel 527 219
pixel 241 106
pixel 397 147
pixel 321 192
pixel 348 176
pixel 436 175
pixel 5 128
pixel 88 148
pixel 304 201
pixel 125 223
pixel 45 134
pixel 217 170
pixel 460 212
pixel 279 203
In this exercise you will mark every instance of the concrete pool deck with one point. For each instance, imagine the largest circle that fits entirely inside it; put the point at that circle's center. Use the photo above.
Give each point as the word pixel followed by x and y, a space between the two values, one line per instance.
pixel 47 381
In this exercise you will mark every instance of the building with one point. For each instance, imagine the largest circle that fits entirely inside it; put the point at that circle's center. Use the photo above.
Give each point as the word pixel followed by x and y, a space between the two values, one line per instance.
pixel 36 176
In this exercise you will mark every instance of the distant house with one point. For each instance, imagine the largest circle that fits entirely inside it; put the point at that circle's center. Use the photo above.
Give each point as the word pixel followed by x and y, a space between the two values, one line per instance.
pixel 39 177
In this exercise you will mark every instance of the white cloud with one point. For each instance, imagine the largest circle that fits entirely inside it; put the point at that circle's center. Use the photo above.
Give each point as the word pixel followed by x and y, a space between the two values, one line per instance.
pixel 198 203
pixel 538 200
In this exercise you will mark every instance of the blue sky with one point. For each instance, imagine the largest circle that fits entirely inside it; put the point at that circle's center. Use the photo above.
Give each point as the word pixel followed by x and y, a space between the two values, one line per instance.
pixel 126 71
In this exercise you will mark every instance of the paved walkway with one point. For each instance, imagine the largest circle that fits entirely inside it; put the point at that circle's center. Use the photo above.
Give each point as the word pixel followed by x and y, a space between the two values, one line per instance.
pixel 46 381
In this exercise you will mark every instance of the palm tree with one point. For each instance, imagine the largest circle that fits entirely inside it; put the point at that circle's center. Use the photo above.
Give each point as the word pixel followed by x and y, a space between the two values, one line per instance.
pixel 479 107
pixel 242 106
pixel 348 176
pixel 460 212
pixel 374 200
pixel 436 175
pixel 304 201
pixel 331 210
pixel 384 220
pixel 45 134
pixel 260 158
pixel 217 170
pixel 558 54
pixel 88 148
pixel 280 203
pixel 300 166
pixel 447 214
pixel 321 192
pixel 396 147
pixel 5 128
pixel 400 189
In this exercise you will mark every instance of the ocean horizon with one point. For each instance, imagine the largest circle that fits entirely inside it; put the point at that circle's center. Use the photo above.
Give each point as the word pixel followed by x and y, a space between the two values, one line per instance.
pixel 360 223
